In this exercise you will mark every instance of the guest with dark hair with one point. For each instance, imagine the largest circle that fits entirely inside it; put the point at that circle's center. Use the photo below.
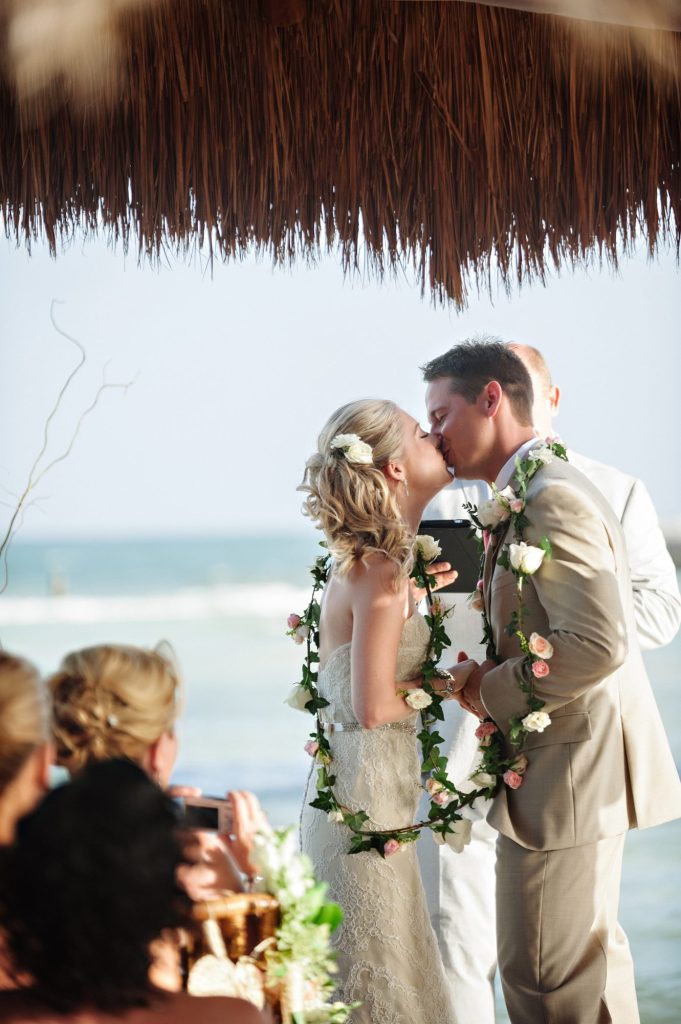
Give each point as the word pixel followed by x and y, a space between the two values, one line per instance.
pixel 89 885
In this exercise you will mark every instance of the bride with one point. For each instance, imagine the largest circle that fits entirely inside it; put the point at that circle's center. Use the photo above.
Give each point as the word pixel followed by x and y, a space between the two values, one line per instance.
pixel 368 483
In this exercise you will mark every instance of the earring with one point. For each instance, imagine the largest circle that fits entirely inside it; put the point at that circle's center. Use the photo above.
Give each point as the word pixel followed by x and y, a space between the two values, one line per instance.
pixel 406 486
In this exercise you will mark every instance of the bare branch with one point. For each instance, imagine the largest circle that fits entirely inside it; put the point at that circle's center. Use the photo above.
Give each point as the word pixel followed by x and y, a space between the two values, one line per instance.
pixel 38 472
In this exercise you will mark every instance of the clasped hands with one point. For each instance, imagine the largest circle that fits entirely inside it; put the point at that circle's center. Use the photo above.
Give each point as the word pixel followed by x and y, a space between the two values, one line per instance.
pixel 467 678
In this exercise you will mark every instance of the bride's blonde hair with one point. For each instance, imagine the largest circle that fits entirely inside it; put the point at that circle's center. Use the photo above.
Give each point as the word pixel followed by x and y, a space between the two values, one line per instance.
pixel 351 502
pixel 112 701
pixel 23 715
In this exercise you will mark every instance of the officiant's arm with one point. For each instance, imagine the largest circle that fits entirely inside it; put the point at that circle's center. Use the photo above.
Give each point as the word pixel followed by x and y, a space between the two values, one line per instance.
pixel 578 592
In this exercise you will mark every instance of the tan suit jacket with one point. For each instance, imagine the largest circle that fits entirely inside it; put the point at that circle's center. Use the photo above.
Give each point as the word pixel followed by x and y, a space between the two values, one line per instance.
pixel 604 764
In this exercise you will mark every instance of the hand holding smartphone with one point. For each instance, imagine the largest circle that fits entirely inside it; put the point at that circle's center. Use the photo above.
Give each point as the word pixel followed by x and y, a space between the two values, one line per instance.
pixel 459 548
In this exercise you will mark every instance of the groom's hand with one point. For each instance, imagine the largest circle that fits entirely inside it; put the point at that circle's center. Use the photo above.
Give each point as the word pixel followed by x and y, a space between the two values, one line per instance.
pixel 469 698
pixel 441 575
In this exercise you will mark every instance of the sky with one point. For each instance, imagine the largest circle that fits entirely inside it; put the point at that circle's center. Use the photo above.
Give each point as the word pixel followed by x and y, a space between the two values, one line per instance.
pixel 234 373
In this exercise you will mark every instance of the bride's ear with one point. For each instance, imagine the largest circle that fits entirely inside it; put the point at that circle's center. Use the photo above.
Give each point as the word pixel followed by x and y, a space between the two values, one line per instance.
pixel 394 472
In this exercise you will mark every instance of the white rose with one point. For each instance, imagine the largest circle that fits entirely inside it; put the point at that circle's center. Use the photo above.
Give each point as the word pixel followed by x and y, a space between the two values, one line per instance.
pixel 526 557
pixel 418 699
pixel 354 448
pixel 458 838
pixel 540 646
pixel 536 721
pixel 427 547
pixel 483 780
pixel 298 698
pixel 542 453
pixel 491 513
pixel 335 817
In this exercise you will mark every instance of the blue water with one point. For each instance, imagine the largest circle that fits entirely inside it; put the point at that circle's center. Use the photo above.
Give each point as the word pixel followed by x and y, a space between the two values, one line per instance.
pixel 222 603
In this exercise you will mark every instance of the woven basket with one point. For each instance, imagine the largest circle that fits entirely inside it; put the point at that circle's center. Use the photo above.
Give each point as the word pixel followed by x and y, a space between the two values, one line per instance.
pixel 245 918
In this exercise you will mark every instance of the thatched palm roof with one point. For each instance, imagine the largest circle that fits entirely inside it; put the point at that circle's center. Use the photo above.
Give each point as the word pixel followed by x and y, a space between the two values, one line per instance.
pixel 459 136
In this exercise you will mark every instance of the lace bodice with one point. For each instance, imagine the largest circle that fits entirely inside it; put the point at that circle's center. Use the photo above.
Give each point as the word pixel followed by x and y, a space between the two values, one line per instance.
pixel 387 951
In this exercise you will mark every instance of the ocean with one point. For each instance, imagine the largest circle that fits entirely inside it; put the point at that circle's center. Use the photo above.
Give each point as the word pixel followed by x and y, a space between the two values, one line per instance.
pixel 222 604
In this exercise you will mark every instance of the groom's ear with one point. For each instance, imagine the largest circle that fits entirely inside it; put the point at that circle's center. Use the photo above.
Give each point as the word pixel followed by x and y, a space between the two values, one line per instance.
pixel 490 398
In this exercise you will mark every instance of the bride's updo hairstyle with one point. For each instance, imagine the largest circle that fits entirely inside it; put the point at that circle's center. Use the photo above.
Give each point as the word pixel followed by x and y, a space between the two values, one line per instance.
pixel 112 701
pixel 23 715
pixel 351 500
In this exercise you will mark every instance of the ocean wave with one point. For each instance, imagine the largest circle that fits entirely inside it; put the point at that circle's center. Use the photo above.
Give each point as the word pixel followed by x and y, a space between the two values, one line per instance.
pixel 260 600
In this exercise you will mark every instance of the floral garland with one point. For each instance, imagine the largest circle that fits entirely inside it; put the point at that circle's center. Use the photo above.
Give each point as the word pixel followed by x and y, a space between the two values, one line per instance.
pixel 446 801
pixel 299 961
pixel 507 508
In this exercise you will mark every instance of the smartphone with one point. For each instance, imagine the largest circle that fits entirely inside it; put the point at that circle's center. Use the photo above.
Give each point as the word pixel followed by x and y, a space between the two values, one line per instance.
pixel 206 813
pixel 459 548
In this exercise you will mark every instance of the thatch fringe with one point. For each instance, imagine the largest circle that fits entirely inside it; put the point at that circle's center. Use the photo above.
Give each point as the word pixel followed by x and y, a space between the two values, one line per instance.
pixel 457 137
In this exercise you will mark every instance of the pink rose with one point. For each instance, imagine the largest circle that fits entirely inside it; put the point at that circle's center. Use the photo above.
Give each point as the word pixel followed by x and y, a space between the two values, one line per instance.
pixel 485 729
pixel 517 505
pixel 479 585
pixel 392 846
pixel 540 646
pixel 512 779
pixel 520 764
pixel 433 786
pixel 441 799
pixel 311 747
pixel 540 669
pixel 293 620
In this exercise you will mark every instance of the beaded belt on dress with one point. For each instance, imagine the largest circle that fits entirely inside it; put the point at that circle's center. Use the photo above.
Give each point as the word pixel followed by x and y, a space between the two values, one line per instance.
pixel 355 727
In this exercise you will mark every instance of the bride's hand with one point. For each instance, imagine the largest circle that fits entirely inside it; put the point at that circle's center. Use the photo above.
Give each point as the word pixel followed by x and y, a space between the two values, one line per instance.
pixel 459 677
pixel 441 575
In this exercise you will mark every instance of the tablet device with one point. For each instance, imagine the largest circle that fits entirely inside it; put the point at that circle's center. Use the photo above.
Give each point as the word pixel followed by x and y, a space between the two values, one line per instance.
pixel 459 548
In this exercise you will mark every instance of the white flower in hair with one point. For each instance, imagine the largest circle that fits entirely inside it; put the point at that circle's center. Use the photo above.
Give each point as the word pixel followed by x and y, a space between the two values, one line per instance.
pixel 354 449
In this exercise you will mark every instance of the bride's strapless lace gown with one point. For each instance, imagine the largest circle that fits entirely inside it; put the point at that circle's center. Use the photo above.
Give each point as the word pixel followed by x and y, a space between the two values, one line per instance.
pixel 387 951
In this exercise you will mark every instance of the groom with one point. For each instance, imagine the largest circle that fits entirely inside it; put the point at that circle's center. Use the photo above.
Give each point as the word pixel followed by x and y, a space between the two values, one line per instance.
pixel 603 765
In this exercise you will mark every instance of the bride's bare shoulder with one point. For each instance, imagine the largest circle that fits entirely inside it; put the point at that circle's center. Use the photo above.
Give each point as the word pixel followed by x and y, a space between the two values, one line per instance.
pixel 377 574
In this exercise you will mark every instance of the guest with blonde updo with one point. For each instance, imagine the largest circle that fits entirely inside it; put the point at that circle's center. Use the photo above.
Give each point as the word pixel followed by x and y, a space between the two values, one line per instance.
pixel 25 749
pixel 113 701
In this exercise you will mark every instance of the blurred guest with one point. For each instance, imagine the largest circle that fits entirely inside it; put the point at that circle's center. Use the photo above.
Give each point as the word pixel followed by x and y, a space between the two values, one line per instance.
pixel 89 885
pixel 121 701
pixel 25 751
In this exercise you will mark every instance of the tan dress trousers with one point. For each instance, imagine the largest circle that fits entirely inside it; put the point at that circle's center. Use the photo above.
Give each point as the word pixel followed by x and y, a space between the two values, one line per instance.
pixel 563 958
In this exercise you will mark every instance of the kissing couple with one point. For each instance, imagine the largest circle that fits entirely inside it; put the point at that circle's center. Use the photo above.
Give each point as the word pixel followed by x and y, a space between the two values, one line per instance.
pixel 572 744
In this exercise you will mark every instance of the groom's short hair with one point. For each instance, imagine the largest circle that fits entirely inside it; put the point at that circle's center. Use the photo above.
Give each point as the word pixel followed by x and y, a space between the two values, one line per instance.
pixel 471 365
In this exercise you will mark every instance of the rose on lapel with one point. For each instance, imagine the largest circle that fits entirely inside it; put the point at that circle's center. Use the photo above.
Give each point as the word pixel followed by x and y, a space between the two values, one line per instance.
pixel 540 646
pixel 525 558
pixel 497 510
pixel 536 721
pixel 512 779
